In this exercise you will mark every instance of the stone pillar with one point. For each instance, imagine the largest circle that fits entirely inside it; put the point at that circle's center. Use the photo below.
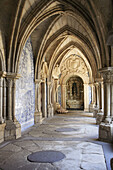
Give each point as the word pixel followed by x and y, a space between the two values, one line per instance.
pixel 13 128
pixel 86 98
pixel 50 106
pixel 102 94
pixel 9 98
pixel 1 101
pixel 100 114
pixel 38 113
pixel 4 99
pixel 57 105
pixel 91 107
pixel 106 127
pixel 63 94
pixel 111 109
pixel 43 90
pixel 2 114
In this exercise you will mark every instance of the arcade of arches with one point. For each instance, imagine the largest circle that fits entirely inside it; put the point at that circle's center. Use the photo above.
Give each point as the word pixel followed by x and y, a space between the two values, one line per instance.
pixel 55 54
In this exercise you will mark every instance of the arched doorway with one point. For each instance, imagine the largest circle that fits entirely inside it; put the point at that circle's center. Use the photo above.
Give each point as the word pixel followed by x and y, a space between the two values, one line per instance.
pixel 75 93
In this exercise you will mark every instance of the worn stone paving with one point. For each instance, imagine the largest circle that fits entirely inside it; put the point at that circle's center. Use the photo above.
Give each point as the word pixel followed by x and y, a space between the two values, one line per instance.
pixel 77 145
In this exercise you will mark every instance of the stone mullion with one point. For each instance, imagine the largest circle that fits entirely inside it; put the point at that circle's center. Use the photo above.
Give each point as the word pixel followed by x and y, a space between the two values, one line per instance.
pixel 1 101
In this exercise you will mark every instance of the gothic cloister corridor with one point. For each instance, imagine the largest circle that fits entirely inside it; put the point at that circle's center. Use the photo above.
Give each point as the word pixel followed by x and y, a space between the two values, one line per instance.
pixel 70 133
pixel 56 84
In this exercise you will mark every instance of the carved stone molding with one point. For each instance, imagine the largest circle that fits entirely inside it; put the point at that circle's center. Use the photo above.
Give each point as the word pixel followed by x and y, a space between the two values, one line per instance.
pixel 74 63
pixel 107 74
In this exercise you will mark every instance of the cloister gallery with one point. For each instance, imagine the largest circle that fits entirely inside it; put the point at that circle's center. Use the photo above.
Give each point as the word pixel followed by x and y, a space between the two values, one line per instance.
pixel 55 55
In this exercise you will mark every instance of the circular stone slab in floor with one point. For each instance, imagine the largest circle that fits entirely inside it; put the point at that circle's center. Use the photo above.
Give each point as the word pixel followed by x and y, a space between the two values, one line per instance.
pixel 48 156
pixel 66 129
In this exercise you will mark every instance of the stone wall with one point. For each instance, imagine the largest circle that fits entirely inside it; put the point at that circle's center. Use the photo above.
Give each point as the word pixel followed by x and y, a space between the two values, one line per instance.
pixel 25 88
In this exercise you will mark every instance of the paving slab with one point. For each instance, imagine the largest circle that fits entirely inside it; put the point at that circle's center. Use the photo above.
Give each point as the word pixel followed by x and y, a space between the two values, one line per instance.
pixel 74 139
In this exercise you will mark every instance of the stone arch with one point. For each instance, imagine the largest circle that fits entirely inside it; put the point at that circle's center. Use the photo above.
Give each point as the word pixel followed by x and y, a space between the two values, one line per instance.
pixel 32 26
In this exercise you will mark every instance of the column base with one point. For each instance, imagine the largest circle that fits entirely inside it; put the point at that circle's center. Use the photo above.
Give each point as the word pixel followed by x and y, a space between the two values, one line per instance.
pixel 57 106
pixel 12 130
pixel 2 128
pixel 86 110
pixel 50 110
pixel 95 111
pixel 106 132
pixel 91 107
pixel 99 118
pixel 38 117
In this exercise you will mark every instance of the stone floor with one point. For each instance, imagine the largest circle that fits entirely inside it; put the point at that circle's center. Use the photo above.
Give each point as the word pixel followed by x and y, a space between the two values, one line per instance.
pixel 74 134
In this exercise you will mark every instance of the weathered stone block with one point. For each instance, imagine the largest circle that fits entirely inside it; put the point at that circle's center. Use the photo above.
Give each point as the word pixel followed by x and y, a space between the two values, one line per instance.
pixel 95 111
pixel 12 130
pixel 91 107
pixel 37 117
pixel 99 118
pixel 106 132
pixel 2 127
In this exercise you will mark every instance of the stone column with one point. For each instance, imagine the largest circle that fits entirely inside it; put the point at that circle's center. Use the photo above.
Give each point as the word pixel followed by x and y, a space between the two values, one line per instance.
pixel 1 100
pixel 86 98
pixel 13 128
pixel 50 105
pixel 63 94
pixel 2 110
pixel 4 99
pixel 57 105
pixel 38 113
pixel 44 109
pixel 9 98
pixel 92 98
pixel 102 94
pixel 106 127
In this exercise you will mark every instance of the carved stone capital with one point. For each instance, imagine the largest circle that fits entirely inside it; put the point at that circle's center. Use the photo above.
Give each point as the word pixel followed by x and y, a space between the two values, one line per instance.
pixel 107 74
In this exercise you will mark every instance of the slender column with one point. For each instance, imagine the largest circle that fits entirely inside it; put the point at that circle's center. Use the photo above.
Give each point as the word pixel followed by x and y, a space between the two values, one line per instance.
pixel 36 96
pixel 48 104
pixel 97 90
pixel 13 99
pixel 102 94
pixel 9 95
pixel 63 89
pixel 38 113
pixel 93 94
pixel 44 111
pixel 4 99
pixel 1 101
pixel 106 126
pixel 100 97
pixel 106 99
pixel 86 98
pixel 111 110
